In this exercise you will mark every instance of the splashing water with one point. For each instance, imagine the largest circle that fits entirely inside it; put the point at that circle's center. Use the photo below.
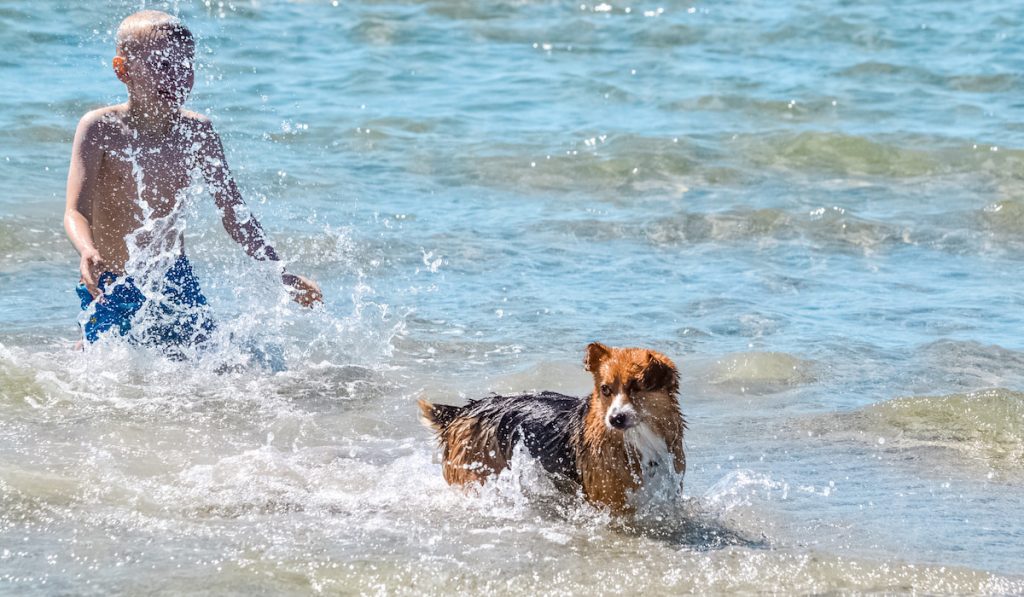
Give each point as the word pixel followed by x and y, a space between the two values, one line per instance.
pixel 815 210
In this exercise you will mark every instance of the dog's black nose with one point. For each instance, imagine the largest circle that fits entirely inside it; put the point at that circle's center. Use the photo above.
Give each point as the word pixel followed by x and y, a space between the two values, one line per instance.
pixel 619 420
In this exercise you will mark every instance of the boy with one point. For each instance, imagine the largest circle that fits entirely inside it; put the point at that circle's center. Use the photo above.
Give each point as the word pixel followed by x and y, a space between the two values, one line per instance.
pixel 130 166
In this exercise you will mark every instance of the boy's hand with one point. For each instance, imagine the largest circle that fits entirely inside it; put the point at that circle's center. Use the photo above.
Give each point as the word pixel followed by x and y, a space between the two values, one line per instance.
pixel 303 290
pixel 91 267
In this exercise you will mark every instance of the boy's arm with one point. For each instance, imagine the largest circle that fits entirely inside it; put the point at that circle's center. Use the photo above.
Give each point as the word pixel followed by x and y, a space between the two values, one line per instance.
pixel 86 155
pixel 240 224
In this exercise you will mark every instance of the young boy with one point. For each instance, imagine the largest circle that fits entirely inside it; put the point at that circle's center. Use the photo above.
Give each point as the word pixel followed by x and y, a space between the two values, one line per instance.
pixel 130 166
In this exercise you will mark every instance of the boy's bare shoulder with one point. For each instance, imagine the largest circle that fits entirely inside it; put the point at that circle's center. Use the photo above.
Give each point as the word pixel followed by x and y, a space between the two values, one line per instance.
pixel 197 117
pixel 199 126
pixel 103 123
pixel 197 120
pixel 106 115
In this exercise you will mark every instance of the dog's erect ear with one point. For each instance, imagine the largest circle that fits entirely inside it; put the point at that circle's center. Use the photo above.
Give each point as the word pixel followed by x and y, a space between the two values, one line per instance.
pixel 660 374
pixel 596 352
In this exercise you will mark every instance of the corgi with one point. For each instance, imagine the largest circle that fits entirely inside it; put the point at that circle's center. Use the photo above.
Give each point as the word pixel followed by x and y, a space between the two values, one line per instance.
pixel 608 444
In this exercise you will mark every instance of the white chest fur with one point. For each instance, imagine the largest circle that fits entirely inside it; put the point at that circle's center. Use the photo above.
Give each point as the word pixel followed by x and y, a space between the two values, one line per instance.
pixel 649 447
pixel 658 480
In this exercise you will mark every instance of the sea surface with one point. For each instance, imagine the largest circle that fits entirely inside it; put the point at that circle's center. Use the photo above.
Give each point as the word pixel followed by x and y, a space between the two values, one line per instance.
pixel 815 208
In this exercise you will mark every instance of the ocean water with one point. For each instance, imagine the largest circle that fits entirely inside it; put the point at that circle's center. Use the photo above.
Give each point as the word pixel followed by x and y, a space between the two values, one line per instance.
pixel 815 208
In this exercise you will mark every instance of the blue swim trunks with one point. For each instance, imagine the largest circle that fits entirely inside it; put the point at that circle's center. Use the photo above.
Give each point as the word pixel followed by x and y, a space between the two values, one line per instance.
pixel 181 319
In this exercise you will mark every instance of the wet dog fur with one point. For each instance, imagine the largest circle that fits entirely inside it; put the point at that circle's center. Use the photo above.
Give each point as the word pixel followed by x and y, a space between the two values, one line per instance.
pixel 606 444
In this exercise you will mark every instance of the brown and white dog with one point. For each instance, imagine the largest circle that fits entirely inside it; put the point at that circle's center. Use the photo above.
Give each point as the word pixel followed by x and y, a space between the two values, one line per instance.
pixel 610 444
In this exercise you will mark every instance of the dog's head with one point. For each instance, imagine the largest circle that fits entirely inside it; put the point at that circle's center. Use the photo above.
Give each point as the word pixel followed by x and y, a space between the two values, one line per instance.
pixel 631 385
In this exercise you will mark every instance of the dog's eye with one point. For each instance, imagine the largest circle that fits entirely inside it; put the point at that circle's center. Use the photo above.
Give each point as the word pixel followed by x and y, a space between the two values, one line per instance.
pixel 605 390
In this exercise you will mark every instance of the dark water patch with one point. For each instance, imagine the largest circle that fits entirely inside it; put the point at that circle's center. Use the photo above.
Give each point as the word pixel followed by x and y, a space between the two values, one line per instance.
pixel 849 30
pixel 833 228
pixel 689 525
pixel 27 240
pixel 804 110
pixel 1005 218
pixel 587 37
pixel 897 157
pixel 626 164
pixel 409 125
pixel 15 14
pixel 635 165
pixel 761 372
pixel 969 364
pixel 979 431
pixel 872 69
pixel 322 385
pixel 670 35
pixel 837 153
pixel 473 10
pixel 998 83
pixel 685 228
pixel 376 31
pixel 37 134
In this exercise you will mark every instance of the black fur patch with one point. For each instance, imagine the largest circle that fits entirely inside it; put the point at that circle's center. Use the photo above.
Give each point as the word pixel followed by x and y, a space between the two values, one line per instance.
pixel 549 424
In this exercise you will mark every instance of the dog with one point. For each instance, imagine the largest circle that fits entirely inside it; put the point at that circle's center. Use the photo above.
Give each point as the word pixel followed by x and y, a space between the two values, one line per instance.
pixel 609 444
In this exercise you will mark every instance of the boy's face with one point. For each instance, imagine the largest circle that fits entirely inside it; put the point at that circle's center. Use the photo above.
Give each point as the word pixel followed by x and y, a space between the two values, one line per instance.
pixel 160 72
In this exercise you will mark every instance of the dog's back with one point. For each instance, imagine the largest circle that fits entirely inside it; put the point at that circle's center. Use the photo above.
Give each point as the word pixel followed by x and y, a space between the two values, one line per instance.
pixel 477 439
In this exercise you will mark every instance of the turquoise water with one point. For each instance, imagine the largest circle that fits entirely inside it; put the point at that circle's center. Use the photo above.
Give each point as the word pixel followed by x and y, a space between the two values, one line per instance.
pixel 817 209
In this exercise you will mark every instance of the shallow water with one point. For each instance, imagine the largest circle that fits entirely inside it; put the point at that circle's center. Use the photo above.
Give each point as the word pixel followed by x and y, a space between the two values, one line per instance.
pixel 816 209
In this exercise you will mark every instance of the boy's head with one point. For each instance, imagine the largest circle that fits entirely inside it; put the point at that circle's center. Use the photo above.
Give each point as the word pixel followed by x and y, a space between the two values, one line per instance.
pixel 155 53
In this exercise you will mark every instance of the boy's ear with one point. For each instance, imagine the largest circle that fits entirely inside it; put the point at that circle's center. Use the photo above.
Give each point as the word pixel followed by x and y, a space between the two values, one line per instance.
pixel 596 352
pixel 119 69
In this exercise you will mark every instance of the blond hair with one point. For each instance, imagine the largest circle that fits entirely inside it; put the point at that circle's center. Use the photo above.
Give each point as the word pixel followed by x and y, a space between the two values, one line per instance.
pixel 136 28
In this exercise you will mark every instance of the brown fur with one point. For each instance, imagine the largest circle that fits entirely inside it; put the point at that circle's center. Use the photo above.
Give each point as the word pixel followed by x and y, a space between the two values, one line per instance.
pixel 610 468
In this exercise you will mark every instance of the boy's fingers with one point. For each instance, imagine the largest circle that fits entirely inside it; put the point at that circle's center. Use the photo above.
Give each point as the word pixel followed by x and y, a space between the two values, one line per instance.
pixel 303 290
pixel 91 286
pixel 310 297
pixel 87 277
pixel 307 297
pixel 312 293
pixel 91 266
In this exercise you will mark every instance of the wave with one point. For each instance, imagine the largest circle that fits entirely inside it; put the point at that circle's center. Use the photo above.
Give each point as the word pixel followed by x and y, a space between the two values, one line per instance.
pixel 19 385
pixel 894 156
pixel 1005 219
pixel 614 166
pixel 969 82
pixel 28 240
pixel 832 228
pixel 828 227
pixel 807 109
pixel 980 428
pixel 840 154
pixel 972 365
pixel 761 372
pixel 625 164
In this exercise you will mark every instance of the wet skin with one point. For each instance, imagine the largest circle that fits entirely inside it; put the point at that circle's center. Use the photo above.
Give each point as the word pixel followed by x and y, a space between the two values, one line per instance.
pixel 130 163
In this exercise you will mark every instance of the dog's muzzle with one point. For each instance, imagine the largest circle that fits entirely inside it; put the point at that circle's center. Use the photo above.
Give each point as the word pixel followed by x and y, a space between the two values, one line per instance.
pixel 621 418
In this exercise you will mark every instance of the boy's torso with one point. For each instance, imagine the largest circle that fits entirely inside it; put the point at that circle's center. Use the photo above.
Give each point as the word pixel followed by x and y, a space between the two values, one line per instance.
pixel 140 178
